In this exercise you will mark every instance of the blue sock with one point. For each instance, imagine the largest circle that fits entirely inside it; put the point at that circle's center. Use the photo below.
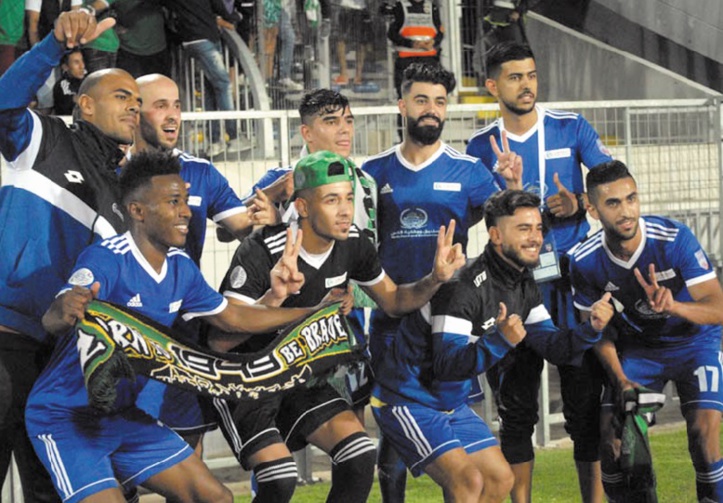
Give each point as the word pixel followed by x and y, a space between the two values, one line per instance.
pixel 709 482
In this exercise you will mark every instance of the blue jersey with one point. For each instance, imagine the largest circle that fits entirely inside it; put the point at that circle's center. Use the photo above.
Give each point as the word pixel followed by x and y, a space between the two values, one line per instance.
pixel 209 196
pixel 568 141
pixel 125 278
pixel 680 262
pixel 414 202
pixel 60 193
pixel 455 337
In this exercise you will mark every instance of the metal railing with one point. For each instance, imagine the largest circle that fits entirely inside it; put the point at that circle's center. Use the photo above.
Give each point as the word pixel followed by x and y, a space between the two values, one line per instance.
pixel 673 147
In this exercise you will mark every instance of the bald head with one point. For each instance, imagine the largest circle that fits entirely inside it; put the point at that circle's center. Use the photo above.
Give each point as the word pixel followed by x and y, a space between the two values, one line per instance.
pixel 160 112
pixel 110 100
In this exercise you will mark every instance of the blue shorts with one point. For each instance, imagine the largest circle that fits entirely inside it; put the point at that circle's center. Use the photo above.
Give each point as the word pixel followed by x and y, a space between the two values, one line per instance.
pixel 420 434
pixel 185 412
pixel 89 454
pixel 696 371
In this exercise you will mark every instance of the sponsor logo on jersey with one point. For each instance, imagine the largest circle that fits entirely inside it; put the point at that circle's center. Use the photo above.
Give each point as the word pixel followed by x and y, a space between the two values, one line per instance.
pixel 667 274
pixel 480 278
pixel 413 218
pixel 135 301
pixel 702 260
pixel 559 153
pixel 74 176
pixel 194 200
pixel 173 307
pixel 336 280
pixel 489 323
pixel 448 186
pixel 602 148
pixel 82 277
pixel 611 287
pixel 238 277
pixel 387 189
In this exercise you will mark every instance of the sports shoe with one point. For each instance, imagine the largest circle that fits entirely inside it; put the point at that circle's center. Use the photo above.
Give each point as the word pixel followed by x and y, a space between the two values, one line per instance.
pixel 216 148
pixel 290 85
pixel 239 145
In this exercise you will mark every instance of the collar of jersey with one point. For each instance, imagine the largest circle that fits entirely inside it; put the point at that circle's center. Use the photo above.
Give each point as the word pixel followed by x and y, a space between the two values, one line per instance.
pixel 157 277
pixel 419 167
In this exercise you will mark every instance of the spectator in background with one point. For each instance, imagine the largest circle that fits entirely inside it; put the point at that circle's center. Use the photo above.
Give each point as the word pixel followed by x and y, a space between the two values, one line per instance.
pixel 102 52
pixel 277 25
pixel 11 31
pixel 66 88
pixel 416 32
pixel 198 30
pixel 353 23
pixel 41 15
pixel 143 47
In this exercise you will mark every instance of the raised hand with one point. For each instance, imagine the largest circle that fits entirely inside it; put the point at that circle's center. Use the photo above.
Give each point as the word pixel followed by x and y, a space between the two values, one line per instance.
pixel 602 312
pixel 512 328
pixel 509 164
pixel 261 211
pixel 285 276
pixel 449 257
pixel 79 27
pixel 660 298
pixel 564 203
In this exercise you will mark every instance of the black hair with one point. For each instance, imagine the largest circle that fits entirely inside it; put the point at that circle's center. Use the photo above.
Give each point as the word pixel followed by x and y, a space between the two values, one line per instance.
pixel 606 172
pixel 143 166
pixel 66 56
pixel 319 102
pixel 504 52
pixel 505 203
pixel 432 73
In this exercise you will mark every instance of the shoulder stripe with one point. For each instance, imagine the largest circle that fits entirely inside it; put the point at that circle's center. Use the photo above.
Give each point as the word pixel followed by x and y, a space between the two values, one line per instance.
pixel 186 157
pixel 276 239
pixel 117 244
pixel 386 153
pixel 660 236
pixel 454 154
pixel 485 129
pixel 661 229
pixel 560 114
pixel 583 249
pixel 177 251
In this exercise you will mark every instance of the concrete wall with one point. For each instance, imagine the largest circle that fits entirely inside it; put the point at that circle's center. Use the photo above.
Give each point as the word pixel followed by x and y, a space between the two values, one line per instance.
pixel 577 67
pixel 694 24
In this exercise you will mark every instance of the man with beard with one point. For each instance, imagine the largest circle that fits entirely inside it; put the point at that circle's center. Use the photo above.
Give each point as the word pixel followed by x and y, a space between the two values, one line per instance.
pixel 329 251
pixel 424 379
pixel 422 183
pixel 669 329
pixel 568 141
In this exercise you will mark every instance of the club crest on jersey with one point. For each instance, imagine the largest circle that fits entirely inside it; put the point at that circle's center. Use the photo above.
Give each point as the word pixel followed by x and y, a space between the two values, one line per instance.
pixel 642 307
pixel 238 277
pixel 702 260
pixel 413 218
pixel 82 277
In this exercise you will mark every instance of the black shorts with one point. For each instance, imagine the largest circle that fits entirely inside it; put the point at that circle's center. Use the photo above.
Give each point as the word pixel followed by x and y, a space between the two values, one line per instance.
pixel 353 25
pixel 288 417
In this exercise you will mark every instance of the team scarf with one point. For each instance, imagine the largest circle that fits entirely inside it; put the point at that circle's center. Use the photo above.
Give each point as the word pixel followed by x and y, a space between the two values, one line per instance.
pixel 114 342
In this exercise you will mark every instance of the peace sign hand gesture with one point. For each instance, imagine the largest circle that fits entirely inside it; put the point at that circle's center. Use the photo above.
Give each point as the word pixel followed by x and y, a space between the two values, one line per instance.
pixel 660 298
pixel 449 257
pixel 509 164
pixel 285 276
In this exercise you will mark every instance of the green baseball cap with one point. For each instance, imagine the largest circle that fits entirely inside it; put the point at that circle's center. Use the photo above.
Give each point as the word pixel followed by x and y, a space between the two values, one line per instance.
pixel 322 168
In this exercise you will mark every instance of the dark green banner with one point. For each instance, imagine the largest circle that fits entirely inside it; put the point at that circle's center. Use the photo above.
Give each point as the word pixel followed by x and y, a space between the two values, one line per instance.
pixel 115 342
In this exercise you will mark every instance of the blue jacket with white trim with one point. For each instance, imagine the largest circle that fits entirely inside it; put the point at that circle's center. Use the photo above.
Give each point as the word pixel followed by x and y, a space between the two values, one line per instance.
pixel 60 193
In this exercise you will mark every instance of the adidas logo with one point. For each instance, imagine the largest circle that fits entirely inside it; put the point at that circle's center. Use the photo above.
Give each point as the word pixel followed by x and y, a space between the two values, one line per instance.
pixel 611 287
pixel 135 301
pixel 387 189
